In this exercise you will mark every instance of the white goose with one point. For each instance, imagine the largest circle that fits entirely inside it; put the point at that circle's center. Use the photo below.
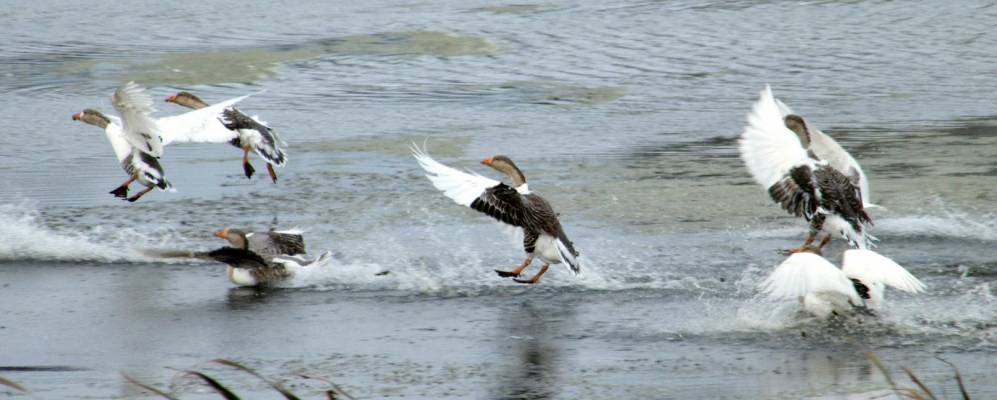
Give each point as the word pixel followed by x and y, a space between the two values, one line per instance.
pixel 513 205
pixel 138 140
pixel 242 131
pixel 824 290
pixel 774 148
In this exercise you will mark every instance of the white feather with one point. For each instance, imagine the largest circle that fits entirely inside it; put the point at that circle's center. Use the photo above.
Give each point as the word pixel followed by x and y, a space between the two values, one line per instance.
pixel 768 148
pixel 461 187
pixel 140 130
pixel 199 126
pixel 872 268
pixel 805 273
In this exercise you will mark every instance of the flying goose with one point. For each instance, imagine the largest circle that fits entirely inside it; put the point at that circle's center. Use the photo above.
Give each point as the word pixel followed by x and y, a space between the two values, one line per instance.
pixel 243 131
pixel 135 138
pixel 513 205
pixel 248 268
pixel 272 242
pixel 824 290
pixel 138 140
pixel 774 149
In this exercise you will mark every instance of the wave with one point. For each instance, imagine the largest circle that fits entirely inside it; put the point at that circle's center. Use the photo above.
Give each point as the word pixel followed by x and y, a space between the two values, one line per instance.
pixel 28 239
pixel 942 223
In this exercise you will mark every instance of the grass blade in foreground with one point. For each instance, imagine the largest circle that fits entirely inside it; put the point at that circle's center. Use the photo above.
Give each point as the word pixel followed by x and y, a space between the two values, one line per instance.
pixel 288 395
pixel 215 385
pixel 12 384
pixel 150 388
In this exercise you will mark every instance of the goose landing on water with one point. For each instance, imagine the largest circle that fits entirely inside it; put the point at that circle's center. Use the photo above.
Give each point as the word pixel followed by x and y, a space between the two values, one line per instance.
pixel 247 268
pixel 273 242
pixel 513 205
pixel 824 290
pixel 242 131
pixel 777 151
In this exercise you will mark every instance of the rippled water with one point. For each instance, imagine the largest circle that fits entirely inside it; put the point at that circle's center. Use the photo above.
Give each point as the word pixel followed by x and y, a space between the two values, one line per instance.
pixel 624 114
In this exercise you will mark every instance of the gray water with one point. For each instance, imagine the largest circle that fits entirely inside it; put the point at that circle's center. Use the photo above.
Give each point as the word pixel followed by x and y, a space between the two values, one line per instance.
pixel 623 114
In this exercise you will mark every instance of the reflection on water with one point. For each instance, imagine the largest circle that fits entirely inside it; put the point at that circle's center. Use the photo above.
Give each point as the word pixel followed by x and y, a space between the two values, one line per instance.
pixel 528 335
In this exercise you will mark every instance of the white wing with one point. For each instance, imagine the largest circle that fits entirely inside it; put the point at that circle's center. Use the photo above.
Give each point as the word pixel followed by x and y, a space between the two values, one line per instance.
pixel 461 187
pixel 140 130
pixel 826 148
pixel 768 148
pixel 199 126
pixel 871 267
pixel 806 273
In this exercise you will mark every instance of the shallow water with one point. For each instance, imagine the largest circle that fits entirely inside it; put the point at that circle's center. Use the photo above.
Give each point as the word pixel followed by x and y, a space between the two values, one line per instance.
pixel 624 114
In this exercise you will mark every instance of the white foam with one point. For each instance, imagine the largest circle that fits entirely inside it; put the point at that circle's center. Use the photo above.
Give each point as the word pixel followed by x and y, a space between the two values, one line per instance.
pixel 27 238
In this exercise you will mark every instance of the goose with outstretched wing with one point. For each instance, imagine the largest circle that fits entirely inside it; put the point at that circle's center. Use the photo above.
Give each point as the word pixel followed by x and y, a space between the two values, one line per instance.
pixel 513 205
pixel 248 133
pixel 774 149
pixel 138 139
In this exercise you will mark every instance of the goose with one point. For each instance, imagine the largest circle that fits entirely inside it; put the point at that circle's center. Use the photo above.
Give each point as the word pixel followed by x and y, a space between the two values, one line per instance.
pixel 139 154
pixel 824 147
pixel 243 131
pixel 774 149
pixel 272 242
pixel 248 268
pixel 135 138
pixel 824 290
pixel 514 206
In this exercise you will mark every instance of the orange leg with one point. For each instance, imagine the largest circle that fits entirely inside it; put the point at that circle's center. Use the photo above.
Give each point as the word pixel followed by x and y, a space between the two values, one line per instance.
pixel 246 166
pixel 273 175
pixel 823 243
pixel 804 247
pixel 536 277
pixel 122 191
pixel 140 194
pixel 518 270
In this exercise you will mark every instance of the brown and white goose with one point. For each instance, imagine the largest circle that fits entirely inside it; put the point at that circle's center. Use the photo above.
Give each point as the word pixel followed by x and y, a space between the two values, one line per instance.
pixel 272 243
pixel 138 139
pixel 513 205
pixel 774 147
pixel 248 268
pixel 135 138
pixel 245 132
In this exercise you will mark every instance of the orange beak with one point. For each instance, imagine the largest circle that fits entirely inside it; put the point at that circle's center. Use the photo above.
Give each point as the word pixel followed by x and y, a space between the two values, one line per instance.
pixel 77 116
pixel 171 99
pixel 487 161
pixel 222 233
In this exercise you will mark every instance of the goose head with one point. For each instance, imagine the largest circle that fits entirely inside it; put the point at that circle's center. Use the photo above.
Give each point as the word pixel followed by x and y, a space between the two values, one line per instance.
pixel 92 117
pixel 235 237
pixel 504 165
pixel 799 126
pixel 187 99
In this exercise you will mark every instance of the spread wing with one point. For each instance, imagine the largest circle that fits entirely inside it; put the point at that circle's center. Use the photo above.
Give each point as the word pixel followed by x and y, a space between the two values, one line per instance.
pixel 804 273
pixel 871 267
pixel 199 126
pixel 140 130
pixel 238 258
pixel 768 148
pixel 461 187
